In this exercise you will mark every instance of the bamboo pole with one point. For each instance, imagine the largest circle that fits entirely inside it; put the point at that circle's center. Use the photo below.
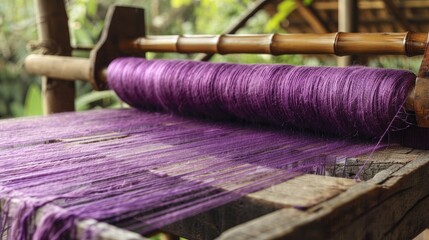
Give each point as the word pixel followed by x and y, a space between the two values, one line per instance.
pixel 347 22
pixel 333 43
pixel 52 23
pixel 65 68
pixel 340 44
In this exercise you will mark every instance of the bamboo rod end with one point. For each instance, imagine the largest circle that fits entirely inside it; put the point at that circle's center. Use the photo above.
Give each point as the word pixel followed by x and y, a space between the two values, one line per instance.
pixel 65 68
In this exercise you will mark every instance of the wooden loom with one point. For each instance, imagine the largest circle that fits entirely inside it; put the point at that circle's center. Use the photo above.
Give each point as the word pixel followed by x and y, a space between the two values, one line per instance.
pixel 394 201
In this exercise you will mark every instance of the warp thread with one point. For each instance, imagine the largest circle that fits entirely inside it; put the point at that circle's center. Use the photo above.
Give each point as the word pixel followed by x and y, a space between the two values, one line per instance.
pixel 140 170
pixel 353 101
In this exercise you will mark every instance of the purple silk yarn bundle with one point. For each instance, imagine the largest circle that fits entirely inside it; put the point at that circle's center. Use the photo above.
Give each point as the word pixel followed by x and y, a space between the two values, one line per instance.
pixel 352 101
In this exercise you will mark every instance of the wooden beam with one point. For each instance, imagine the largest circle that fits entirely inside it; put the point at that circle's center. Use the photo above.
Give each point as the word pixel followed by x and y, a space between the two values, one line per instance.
pixel 371 21
pixel 52 23
pixel 347 22
pixel 398 16
pixel 393 205
pixel 311 17
pixel 98 230
pixel 303 191
pixel 373 4
pixel 348 16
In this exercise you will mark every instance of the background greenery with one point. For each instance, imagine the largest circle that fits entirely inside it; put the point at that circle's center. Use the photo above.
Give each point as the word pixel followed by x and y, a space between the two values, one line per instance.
pixel 20 92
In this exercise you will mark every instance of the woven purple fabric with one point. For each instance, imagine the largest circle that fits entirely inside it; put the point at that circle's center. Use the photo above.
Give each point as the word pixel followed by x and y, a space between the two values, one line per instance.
pixel 352 101
pixel 142 170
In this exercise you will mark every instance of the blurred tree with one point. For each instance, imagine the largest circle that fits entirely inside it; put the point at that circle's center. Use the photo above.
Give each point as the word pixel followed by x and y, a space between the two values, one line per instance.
pixel 17 27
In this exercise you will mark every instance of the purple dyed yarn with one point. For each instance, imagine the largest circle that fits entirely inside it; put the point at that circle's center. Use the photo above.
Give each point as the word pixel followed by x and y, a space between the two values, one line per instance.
pixel 141 170
pixel 352 101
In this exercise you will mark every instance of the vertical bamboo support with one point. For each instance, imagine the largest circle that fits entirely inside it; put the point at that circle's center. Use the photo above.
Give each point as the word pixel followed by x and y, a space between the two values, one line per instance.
pixel 52 24
pixel 347 22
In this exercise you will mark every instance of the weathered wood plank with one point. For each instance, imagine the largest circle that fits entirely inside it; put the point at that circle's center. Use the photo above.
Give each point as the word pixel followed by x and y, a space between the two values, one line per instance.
pixel 300 224
pixel 98 230
pixel 392 206
pixel 374 163
pixel 104 231
pixel 303 192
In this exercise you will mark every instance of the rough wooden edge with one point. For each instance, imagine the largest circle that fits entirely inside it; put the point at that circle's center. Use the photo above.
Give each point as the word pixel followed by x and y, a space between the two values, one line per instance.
pixel 387 207
pixel 373 163
pixel 307 191
pixel 105 231
pixel 98 230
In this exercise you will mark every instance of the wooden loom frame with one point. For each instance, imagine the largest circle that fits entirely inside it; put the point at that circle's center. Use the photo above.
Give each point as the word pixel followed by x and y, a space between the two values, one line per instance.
pixel 385 206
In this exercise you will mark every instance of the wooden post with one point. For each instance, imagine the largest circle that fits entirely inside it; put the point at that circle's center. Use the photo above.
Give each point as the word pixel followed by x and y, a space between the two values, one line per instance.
pixel 347 22
pixel 52 23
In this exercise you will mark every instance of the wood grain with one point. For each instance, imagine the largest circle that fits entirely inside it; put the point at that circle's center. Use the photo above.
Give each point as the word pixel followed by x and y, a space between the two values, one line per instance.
pixel 393 206
pixel 100 230
pixel 52 24
pixel 301 192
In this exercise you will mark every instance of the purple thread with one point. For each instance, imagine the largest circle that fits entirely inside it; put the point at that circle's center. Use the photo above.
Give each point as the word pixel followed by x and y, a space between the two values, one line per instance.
pixel 353 101
pixel 143 170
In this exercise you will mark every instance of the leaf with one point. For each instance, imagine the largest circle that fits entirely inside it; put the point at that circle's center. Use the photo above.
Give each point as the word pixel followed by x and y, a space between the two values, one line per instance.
pixel 307 2
pixel 33 101
pixel 17 109
pixel 91 8
pixel 180 3
pixel 83 102
pixel 283 10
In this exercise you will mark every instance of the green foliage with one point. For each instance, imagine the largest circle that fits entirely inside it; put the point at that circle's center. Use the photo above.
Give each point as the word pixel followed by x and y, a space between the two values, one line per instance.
pixel 84 23
pixel 17 25
pixel 180 3
pixel 33 101
pixel 213 16
pixel 103 98
pixel 407 63
pixel 284 9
